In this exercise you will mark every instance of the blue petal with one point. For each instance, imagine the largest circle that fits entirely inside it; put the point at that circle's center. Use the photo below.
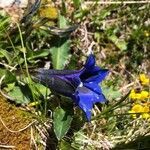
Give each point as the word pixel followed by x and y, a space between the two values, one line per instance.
pixel 99 98
pixel 92 73
pixel 85 99
pixel 90 61
pixel 99 77
pixel 93 87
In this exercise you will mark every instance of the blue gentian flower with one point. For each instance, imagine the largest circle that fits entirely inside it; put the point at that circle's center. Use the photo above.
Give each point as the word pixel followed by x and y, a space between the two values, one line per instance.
pixel 80 85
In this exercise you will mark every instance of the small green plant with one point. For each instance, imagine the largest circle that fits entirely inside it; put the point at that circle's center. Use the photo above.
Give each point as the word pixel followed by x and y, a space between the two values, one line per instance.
pixel 36 53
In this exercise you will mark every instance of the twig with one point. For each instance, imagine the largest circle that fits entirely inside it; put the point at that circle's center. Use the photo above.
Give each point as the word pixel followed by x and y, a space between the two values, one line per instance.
pixel 7 66
pixel 20 130
pixel 7 146
pixel 43 143
pixel 43 136
pixel 85 33
pixel 90 48
pixel 126 86
pixel 33 140
pixel 85 38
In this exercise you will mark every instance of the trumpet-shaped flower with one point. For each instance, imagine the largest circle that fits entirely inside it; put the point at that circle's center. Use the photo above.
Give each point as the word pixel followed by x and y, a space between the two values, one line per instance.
pixel 80 85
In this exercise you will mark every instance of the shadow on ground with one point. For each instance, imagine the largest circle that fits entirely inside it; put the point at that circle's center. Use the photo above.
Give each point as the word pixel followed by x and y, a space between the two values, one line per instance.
pixel 141 143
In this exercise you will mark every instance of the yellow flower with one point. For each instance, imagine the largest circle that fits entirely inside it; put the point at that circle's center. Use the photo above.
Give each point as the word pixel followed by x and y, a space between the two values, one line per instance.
pixel 134 95
pixel 144 79
pixel 145 115
pixel 144 94
pixel 146 108
pixel 146 111
pixel 137 108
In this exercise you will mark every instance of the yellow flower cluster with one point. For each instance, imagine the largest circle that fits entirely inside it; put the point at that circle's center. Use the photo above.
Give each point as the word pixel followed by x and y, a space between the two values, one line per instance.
pixel 140 110
pixel 144 79
pixel 139 95
pixel 141 106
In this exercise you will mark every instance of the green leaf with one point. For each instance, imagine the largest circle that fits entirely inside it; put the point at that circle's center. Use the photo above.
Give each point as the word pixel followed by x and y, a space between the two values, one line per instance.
pixel 120 43
pixel 2 72
pixel 37 54
pixel 65 145
pixel 41 89
pixel 6 54
pixel 110 93
pixel 10 87
pixel 62 122
pixel 77 3
pixel 104 13
pixel 60 53
pixel 9 77
pixel 3 22
pixel 73 63
pixel 21 94
pixel 62 22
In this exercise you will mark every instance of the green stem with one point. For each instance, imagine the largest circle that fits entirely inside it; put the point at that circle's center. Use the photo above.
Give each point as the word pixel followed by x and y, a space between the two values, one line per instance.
pixel 111 108
pixel 24 53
